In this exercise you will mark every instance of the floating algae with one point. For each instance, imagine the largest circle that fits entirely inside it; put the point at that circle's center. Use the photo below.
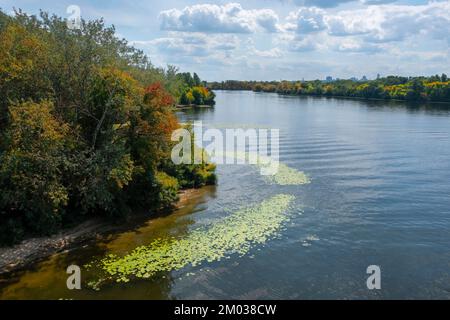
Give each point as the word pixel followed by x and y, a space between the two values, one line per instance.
pixel 287 176
pixel 235 234
pixel 282 174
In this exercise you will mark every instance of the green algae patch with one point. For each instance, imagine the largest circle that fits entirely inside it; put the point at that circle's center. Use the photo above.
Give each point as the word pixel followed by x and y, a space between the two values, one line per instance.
pixel 235 234
pixel 280 173
pixel 286 176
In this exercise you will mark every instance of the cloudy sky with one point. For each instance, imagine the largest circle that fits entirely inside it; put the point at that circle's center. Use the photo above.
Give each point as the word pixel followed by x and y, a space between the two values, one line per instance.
pixel 278 39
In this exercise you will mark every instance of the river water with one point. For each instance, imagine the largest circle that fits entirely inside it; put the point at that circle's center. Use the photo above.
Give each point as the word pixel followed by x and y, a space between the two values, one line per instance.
pixel 378 194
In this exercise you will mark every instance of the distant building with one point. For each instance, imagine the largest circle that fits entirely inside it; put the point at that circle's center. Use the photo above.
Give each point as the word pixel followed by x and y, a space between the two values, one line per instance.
pixel 329 79
pixel 364 78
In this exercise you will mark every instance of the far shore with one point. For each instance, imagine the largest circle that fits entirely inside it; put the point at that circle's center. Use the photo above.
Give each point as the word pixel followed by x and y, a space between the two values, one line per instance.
pixel 420 102
pixel 32 250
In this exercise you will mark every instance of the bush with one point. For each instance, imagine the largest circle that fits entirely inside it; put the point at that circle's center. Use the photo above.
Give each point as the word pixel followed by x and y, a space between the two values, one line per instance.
pixel 168 189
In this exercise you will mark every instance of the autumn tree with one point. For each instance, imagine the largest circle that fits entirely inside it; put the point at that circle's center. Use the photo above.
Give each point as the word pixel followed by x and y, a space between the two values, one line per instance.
pixel 85 126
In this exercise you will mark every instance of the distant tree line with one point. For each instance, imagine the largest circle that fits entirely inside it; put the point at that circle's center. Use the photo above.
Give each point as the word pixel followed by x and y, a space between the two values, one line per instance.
pixel 85 127
pixel 435 88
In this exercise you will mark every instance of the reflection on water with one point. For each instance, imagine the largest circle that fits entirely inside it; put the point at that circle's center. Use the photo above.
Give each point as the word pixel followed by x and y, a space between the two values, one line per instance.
pixel 379 194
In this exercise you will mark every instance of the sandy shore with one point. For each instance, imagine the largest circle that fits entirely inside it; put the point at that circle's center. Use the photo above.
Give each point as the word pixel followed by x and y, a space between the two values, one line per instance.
pixel 34 249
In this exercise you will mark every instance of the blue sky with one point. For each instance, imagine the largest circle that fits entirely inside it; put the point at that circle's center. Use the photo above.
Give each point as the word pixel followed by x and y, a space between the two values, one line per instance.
pixel 278 39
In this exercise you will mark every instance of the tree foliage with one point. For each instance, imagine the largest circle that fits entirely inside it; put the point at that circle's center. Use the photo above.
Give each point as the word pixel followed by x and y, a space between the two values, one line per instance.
pixel 195 91
pixel 85 126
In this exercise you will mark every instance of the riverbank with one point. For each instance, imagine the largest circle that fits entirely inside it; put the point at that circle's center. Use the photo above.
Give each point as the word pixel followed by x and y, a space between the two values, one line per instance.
pixel 419 102
pixel 35 249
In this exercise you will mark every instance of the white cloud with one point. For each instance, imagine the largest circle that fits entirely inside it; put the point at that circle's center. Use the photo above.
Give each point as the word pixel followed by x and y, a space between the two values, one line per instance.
pixel 272 53
pixel 228 18
pixel 381 33
pixel 293 42
pixel 305 44
pixel 351 45
pixel 306 20
pixel 371 2
pixel 377 23
pixel 184 45
pixel 321 3
pixel 335 3
pixel 363 30
pixel 387 23
pixel 179 46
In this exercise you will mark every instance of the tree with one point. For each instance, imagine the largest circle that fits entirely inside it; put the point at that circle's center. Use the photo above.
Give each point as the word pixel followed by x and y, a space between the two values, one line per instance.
pixel 195 91
pixel 32 169
pixel 415 90
pixel 23 57
pixel 197 81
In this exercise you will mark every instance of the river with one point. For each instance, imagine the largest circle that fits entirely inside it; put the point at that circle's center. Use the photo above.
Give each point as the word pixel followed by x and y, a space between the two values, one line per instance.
pixel 378 194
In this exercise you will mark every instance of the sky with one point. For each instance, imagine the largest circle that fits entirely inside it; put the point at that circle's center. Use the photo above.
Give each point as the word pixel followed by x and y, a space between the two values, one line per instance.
pixel 277 39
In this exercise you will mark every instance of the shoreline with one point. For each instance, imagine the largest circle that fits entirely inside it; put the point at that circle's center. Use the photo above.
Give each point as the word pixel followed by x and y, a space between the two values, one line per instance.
pixel 424 102
pixel 191 106
pixel 35 249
